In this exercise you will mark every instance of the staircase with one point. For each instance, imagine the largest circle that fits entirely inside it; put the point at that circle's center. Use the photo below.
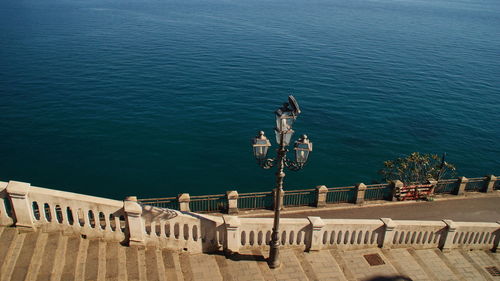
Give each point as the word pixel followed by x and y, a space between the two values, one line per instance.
pixel 53 256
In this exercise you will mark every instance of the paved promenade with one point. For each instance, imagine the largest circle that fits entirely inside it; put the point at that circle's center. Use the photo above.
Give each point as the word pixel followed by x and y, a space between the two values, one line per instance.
pixel 54 256
pixel 483 209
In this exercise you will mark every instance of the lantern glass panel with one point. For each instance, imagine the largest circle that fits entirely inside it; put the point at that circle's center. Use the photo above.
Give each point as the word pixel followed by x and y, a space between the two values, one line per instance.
pixel 302 149
pixel 301 155
pixel 260 148
pixel 278 136
pixel 287 136
pixel 284 120
pixel 260 152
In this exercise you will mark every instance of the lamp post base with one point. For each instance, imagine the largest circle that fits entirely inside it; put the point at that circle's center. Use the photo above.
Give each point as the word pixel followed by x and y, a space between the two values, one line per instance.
pixel 274 255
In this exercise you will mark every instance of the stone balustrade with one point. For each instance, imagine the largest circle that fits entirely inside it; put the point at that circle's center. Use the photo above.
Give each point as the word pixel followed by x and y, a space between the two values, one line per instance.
pixel 29 208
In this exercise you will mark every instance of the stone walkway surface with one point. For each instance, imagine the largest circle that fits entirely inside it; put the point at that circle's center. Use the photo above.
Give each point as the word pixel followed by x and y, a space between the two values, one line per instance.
pixel 41 256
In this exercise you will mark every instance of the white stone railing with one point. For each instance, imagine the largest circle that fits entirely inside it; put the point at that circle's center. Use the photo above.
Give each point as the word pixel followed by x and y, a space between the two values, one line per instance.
pixel 30 208
pixel 5 209
pixel 315 233
pixel 182 231
pixel 351 234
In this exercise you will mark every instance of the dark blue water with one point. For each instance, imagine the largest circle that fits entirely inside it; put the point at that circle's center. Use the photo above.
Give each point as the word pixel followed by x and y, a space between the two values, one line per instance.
pixel 154 98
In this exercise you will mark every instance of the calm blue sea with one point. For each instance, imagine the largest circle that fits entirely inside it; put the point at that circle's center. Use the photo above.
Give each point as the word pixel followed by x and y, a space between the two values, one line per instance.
pixel 157 97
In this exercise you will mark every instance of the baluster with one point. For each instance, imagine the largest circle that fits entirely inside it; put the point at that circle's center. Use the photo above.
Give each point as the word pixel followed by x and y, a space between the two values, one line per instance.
pixel 107 227
pixel 118 226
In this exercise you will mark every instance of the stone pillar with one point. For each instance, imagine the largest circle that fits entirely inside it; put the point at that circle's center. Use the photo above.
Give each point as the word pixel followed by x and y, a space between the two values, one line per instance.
pixel 390 225
pixel 135 223
pixel 321 192
pixel 434 184
pixel 184 200
pixel 233 237
pixel 496 243
pixel 232 202
pixel 316 239
pixel 360 193
pixel 282 197
pixel 490 182
pixel 396 185
pixel 21 207
pixel 462 182
pixel 451 228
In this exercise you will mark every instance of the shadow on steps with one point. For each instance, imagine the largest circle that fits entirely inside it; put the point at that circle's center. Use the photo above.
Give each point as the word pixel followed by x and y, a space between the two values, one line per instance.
pixel 240 257
pixel 389 278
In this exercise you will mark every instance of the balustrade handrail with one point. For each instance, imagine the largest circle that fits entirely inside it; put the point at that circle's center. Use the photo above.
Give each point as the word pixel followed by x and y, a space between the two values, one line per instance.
pixel 299 191
pixel 157 199
pixel 447 180
pixel 207 197
pixel 378 185
pixel 252 194
pixel 476 179
pixel 341 187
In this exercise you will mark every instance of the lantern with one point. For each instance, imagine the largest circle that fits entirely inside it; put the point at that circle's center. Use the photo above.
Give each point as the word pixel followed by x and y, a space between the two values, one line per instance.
pixel 284 118
pixel 260 146
pixel 302 149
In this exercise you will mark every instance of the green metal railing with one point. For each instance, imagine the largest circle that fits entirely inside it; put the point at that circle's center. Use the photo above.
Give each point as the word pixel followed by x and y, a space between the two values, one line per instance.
pixel 475 184
pixel 446 186
pixel 305 197
pixel 167 202
pixel 256 200
pixel 208 203
pixel 378 192
pixel 301 197
pixel 346 194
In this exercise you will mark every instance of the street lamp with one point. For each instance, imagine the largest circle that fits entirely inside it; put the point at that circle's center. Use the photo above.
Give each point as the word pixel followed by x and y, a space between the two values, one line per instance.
pixel 285 116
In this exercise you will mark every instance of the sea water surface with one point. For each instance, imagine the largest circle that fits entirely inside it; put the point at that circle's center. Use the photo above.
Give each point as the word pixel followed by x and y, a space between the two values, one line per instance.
pixel 157 97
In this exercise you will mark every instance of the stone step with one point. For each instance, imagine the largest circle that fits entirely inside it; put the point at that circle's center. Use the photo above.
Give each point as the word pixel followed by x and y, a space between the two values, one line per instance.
pixel 92 261
pixel 81 260
pixel 356 266
pixel 434 265
pixel 22 265
pixel 480 261
pixel 172 266
pixel 204 267
pixel 112 271
pixel 290 268
pixel 11 256
pixel 495 256
pixel 48 265
pixel 57 257
pixel 405 264
pixel 240 267
pixel 321 266
pixel 71 259
pixel 132 264
pixel 465 270
pixel 36 259
pixel 7 235
pixel 154 264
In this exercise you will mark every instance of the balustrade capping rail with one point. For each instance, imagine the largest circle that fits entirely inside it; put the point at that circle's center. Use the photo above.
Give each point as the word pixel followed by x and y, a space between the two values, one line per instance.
pixel 355 194
pixel 34 208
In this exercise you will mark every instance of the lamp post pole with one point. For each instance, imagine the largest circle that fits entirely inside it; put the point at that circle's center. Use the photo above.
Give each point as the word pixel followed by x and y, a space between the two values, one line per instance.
pixel 274 251
pixel 285 116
